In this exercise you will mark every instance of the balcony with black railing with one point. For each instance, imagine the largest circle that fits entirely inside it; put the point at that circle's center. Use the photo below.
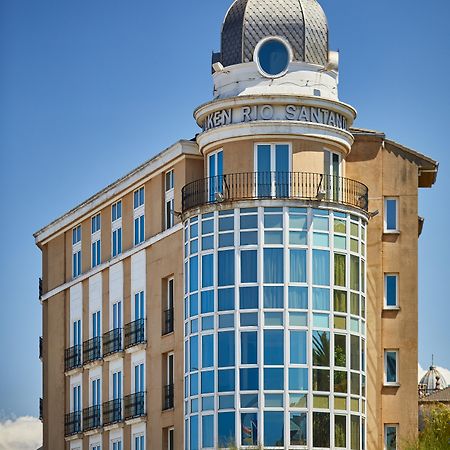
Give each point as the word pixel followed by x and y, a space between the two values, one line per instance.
pixel 168 392
pixel 72 423
pixel 92 350
pixel 41 347
pixel 134 405
pixel 72 358
pixel 167 321
pixel 112 342
pixel 135 333
pixel 275 185
pixel 112 412
pixel 41 409
pixel 91 418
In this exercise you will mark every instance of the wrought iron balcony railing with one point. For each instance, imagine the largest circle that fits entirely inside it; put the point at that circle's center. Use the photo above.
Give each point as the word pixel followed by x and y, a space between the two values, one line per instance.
pixel 91 418
pixel 112 412
pixel 112 342
pixel 41 347
pixel 92 350
pixel 41 409
pixel 134 405
pixel 275 185
pixel 167 321
pixel 134 333
pixel 168 396
pixel 72 358
pixel 72 423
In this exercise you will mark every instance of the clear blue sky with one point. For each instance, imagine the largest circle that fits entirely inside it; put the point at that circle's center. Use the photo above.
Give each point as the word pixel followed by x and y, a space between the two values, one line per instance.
pixel 89 89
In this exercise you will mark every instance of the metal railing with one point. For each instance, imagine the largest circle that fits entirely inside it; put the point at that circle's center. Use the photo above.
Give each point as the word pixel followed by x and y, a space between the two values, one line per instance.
pixel 41 409
pixel 91 418
pixel 112 341
pixel 41 347
pixel 168 396
pixel 134 405
pixel 92 350
pixel 112 412
pixel 72 357
pixel 167 321
pixel 134 333
pixel 72 423
pixel 275 185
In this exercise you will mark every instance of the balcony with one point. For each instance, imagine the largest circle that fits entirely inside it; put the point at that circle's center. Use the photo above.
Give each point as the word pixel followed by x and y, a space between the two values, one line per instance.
pixel 112 342
pixel 72 423
pixel 91 418
pixel 41 347
pixel 112 412
pixel 92 350
pixel 134 405
pixel 168 397
pixel 72 358
pixel 41 409
pixel 275 185
pixel 135 333
pixel 167 321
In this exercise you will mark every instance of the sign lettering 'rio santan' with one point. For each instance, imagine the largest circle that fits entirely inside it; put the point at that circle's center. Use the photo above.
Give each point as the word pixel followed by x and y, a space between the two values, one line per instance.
pixel 309 114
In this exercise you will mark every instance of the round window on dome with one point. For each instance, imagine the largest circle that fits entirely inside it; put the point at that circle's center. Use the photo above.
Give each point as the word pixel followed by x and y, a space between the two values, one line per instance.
pixel 273 56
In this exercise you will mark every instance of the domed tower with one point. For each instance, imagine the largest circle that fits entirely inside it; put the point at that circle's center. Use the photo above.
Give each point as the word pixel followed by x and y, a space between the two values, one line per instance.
pixel 275 243
pixel 432 381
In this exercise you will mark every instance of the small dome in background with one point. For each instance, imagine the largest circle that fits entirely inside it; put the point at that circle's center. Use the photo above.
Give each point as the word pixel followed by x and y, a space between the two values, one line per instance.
pixel 433 380
pixel 302 23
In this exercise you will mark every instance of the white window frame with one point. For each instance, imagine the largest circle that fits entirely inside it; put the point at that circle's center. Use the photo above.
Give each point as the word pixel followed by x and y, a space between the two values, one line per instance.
pixel 77 268
pixel 137 242
pixel 272 162
pixel 143 202
pixel 396 306
pixel 170 301
pixel 114 442
pixel 397 366
pixel 170 437
pixel 138 435
pixel 397 229
pixel 168 380
pixel 75 230
pixel 96 251
pixel 215 152
pixel 94 219
pixel 390 425
pixel 112 209
pixel 169 220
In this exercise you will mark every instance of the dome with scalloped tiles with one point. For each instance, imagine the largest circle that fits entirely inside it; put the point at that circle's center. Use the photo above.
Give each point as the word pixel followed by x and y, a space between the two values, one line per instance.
pixel 302 23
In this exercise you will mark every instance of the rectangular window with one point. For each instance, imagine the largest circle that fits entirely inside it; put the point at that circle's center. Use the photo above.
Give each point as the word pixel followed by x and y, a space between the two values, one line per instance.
pixel 95 223
pixel 96 253
pixel 390 437
pixel 249 347
pixel 117 242
pixel 117 445
pixel 299 426
pixel 76 398
pixel 139 229
pixel 96 392
pixel 117 385
pixel 274 428
pixel 225 268
pixel 249 266
pixel 116 211
pixel 208 431
pixel 138 198
pixel 321 429
pixel 321 267
pixel 77 332
pixel 273 347
pixel 139 443
pixel 391 290
pixel 96 324
pixel 169 199
pixel 139 306
pixel 249 428
pixel 139 378
pixel 391 367
pixel 298 266
pixel 226 349
pixel 273 265
pixel 215 171
pixel 76 264
pixel 76 235
pixel 391 214
pixel 298 347
pixel 117 315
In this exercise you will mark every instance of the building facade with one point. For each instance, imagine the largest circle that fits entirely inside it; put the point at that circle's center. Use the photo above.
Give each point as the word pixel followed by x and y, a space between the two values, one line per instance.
pixel 256 286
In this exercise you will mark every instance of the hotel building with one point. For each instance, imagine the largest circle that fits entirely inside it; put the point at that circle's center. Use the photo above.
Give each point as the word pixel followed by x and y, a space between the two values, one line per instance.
pixel 254 286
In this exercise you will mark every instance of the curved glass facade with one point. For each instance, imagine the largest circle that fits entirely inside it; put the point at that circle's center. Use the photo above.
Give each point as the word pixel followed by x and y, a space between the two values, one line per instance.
pixel 274 329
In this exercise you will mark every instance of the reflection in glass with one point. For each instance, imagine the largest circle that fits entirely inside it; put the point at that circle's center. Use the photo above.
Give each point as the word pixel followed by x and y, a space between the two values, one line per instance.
pixel 321 429
pixel 249 428
pixel 298 347
pixel 298 428
pixel 226 348
pixel 274 428
pixel 340 346
pixel 273 347
pixel 340 431
pixel 226 428
pixel 273 265
pixel 321 380
pixel 321 348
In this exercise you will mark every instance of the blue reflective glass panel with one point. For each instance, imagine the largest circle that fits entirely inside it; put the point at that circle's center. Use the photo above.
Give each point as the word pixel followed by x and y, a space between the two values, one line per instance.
pixel 226 267
pixel 274 429
pixel 208 431
pixel 273 297
pixel 249 428
pixel 193 273
pixel 194 384
pixel 226 429
pixel 208 243
pixel 226 348
pixel 208 382
pixel 298 266
pixel 194 433
pixel 193 305
pixel 249 266
pixel 391 290
pixel 208 350
pixel 249 379
pixel 274 379
pixel 273 347
pixel 391 214
pixel 298 379
pixel 298 347
pixel 273 265
pixel 249 319
pixel 248 297
pixel 321 299
pixel 226 380
pixel 298 297
pixel 226 240
pixel 249 222
pixel 226 299
pixel 207 301
pixel 249 238
pixel 249 347
pixel 321 267
pixel 193 353
pixel 207 270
